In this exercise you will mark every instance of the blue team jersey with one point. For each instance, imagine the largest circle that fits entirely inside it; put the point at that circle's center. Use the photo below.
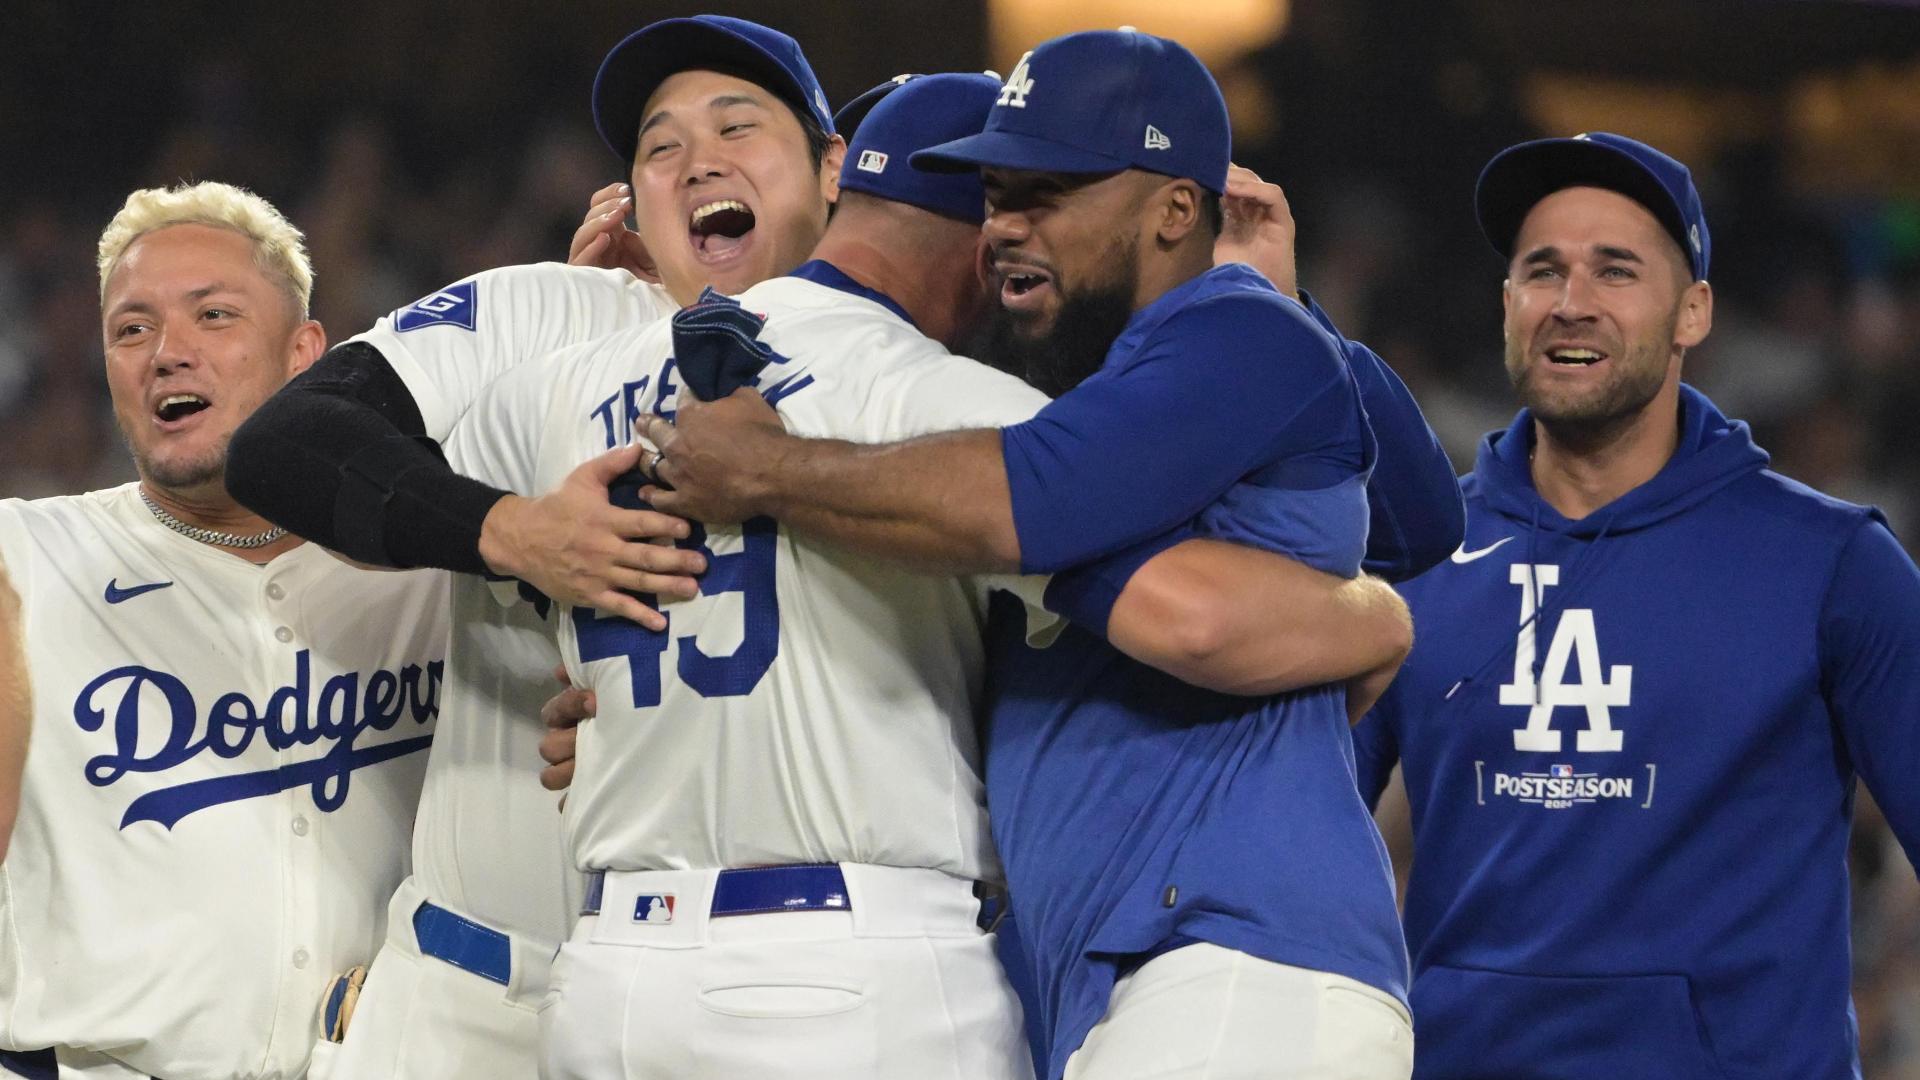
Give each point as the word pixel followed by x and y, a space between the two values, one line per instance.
pixel 1630 743
pixel 1133 812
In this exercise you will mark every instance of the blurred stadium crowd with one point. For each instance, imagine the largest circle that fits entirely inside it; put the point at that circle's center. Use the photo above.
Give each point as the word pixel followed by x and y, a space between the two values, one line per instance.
pixel 428 163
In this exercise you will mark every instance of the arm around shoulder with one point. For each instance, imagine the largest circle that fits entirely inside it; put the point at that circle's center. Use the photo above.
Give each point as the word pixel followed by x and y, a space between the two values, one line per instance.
pixel 938 501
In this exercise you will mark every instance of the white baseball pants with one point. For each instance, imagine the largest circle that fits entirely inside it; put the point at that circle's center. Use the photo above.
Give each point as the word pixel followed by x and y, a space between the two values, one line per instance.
pixel 903 984
pixel 422 1018
pixel 1202 1012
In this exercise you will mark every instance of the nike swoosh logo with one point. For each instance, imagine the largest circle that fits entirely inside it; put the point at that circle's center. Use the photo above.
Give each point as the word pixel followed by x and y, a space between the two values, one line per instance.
pixel 1465 556
pixel 115 593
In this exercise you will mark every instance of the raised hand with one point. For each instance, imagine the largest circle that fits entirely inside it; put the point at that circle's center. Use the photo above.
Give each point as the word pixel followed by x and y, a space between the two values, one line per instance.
pixel 604 240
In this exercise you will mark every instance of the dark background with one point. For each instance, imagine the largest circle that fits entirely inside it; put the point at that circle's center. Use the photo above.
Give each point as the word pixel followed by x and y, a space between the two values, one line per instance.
pixel 418 143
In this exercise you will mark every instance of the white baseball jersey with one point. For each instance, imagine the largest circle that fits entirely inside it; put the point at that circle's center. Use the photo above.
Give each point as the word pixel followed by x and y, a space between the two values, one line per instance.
pixel 489 842
pixel 813 704
pixel 224 766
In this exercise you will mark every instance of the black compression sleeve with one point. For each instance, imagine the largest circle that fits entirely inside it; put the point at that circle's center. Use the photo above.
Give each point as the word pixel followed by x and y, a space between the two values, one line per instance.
pixel 340 456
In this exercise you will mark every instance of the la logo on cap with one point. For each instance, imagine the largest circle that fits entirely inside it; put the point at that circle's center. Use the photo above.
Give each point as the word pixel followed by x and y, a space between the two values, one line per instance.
pixel 1014 94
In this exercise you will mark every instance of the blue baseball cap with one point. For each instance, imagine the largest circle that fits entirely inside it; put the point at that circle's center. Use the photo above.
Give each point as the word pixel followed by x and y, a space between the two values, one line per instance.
pixel 654 53
pixel 907 116
pixel 1101 101
pixel 1520 176
pixel 846 120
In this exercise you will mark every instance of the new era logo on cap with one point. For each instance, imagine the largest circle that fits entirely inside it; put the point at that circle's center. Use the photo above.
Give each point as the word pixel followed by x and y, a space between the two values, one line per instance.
pixel 1156 140
pixel 872 161
pixel 1019 85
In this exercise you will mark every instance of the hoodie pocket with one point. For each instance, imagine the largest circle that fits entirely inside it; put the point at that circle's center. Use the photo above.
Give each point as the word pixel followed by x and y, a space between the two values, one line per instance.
pixel 1471 1024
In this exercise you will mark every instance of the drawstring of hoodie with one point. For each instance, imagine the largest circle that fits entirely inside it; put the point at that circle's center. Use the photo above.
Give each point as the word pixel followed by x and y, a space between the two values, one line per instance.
pixel 1712 453
pixel 1540 608
pixel 1539 598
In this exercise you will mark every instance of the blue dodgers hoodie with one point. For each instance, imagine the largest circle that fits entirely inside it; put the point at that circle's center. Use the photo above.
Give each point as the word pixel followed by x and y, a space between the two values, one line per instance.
pixel 1630 743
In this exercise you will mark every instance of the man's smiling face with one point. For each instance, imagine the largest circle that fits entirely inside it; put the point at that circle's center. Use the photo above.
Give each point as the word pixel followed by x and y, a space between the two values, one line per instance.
pixel 726 192
pixel 196 337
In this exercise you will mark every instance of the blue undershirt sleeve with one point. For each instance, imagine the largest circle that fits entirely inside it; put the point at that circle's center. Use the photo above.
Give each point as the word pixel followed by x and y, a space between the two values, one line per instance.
pixel 1870 668
pixel 1416 516
pixel 1221 390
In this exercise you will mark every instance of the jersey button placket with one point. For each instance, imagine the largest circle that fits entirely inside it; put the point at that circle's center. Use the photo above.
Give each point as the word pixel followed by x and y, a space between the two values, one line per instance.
pixel 301 854
pixel 277 607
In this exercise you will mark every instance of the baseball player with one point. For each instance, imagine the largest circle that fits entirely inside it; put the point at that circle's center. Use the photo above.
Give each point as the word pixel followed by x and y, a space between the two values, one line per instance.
pixel 473 930
pixel 229 724
pixel 1196 889
pixel 1646 683
pixel 785 853
pixel 264 488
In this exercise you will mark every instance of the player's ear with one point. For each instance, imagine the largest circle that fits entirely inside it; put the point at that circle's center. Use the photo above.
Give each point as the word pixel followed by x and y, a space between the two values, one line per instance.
pixel 830 163
pixel 309 340
pixel 1176 208
pixel 1696 315
pixel 638 260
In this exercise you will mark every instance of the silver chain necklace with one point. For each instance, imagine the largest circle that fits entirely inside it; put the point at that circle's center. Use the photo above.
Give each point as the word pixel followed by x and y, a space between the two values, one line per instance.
pixel 210 536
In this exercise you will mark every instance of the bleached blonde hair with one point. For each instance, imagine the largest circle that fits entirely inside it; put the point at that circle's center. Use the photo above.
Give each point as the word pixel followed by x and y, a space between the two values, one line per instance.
pixel 279 249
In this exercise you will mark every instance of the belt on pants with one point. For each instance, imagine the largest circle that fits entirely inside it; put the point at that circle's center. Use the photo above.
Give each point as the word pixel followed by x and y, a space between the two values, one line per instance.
pixel 30 1064
pixel 465 944
pixel 762 890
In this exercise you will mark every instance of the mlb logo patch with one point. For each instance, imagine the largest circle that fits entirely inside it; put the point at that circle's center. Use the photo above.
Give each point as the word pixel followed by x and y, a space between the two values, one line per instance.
pixel 872 161
pixel 455 305
pixel 1560 772
pixel 653 908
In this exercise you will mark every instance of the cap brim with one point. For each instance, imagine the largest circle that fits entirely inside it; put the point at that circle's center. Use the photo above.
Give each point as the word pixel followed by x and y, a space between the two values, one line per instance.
pixel 1520 176
pixel 1011 150
pixel 637 66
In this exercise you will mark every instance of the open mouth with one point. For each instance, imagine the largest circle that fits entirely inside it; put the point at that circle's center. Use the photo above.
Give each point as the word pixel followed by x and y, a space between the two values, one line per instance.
pixel 1023 288
pixel 176 407
pixel 1574 356
pixel 719 228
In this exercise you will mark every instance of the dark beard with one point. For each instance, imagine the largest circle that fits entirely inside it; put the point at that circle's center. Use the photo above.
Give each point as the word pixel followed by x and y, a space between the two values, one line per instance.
pixel 1075 348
